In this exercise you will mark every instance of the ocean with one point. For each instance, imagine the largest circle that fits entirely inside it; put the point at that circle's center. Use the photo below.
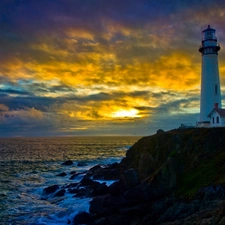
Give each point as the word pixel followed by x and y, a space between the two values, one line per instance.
pixel 28 165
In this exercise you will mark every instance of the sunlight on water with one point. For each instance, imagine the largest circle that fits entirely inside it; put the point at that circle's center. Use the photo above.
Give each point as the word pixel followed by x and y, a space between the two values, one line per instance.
pixel 28 165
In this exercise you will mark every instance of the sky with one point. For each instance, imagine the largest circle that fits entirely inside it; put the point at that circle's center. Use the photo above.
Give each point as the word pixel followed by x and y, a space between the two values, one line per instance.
pixel 103 67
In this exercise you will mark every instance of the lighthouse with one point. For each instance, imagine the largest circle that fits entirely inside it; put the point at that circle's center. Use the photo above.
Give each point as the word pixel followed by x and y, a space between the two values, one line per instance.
pixel 210 81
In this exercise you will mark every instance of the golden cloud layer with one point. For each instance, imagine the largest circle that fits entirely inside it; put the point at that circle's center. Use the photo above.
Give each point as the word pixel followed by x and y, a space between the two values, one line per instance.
pixel 118 73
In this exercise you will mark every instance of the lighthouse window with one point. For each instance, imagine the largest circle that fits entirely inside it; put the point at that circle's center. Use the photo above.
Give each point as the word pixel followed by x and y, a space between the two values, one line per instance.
pixel 208 35
pixel 216 89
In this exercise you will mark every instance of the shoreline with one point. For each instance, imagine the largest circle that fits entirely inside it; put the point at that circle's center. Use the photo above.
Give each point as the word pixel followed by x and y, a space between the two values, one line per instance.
pixel 169 178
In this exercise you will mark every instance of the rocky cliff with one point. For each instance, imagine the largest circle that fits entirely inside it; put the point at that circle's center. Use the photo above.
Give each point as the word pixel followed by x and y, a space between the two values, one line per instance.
pixel 171 178
pixel 183 160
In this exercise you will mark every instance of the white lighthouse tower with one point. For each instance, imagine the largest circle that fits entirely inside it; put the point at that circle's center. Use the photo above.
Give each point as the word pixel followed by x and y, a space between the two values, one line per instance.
pixel 210 81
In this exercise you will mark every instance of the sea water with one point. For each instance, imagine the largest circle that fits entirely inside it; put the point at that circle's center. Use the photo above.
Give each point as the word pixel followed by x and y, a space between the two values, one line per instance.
pixel 28 165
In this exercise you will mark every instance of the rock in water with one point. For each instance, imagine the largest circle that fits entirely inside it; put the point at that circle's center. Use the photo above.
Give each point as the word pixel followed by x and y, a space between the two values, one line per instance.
pixel 68 163
pixel 50 189
pixel 60 193
pixel 63 174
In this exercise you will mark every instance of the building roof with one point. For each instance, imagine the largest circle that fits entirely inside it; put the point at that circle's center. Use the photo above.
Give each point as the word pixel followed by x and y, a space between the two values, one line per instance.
pixel 221 112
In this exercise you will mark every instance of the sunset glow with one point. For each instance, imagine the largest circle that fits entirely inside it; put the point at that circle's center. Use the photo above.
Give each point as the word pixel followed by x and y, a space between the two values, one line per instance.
pixel 126 113
pixel 101 67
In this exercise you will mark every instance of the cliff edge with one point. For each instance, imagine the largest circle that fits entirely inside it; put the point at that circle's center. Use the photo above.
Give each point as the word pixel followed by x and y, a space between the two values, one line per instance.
pixel 170 178
pixel 184 160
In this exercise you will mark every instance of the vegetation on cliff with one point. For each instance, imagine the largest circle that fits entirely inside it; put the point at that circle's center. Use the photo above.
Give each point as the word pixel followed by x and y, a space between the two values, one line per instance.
pixel 183 159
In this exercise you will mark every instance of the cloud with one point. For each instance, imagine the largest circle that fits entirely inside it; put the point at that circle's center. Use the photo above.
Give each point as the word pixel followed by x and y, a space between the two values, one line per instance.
pixel 71 65
pixel 13 91
pixel 20 119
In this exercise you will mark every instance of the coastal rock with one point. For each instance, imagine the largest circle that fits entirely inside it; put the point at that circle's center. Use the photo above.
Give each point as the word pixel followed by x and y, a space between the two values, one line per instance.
pixel 88 188
pixel 169 178
pixel 97 189
pixel 82 218
pixel 74 190
pixel 161 182
pixel 109 172
pixel 50 189
pixel 74 175
pixel 107 204
pixel 115 165
pixel 68 163
pixel 97 205
pixel 130 178
pixel 60 193
pixel 117 188
pixel 137 194
pixel 137 210
pixel 115 219
pixel 73 172
pixel 95 168
pixel 86 181
pixel 81 192
pixel 63 174
pixel 71 185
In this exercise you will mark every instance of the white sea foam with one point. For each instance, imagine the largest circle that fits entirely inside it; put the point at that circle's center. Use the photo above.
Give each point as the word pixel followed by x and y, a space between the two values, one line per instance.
pixel 29 168
pixel 55 210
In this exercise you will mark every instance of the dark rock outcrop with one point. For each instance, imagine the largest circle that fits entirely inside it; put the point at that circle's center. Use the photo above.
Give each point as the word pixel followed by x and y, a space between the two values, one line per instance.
pixel 50 189
pixel 63 174
pixel 60 193
pixel 82 218
pixel 117 188
pixel 74 175
pixel 68 163
pixel 130 178
pixel 109 172
pixel 93 188
pixel 97 189
pixel 169 178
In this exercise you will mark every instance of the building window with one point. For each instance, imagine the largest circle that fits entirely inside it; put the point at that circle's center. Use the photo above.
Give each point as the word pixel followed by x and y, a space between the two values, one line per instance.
pixel 216 89
pixel 217 119
pixel 213 120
